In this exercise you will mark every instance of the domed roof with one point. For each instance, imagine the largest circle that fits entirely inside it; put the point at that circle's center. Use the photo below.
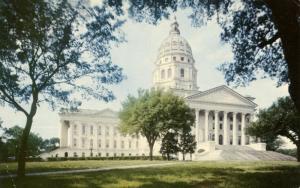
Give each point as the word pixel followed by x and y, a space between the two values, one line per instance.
pixel 175 43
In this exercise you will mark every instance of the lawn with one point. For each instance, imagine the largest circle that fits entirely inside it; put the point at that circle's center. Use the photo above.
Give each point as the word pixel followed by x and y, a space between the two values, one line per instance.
pixel 183 174
pixel 67 165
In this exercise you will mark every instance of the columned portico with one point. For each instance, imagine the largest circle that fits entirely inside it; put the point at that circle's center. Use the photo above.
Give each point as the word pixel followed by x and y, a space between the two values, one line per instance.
pixel 234 130
pixel 243 129
pixel 225 136
pixel 216 127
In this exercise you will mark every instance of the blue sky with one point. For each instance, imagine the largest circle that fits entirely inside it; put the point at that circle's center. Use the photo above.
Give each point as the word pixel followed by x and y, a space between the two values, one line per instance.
pixel 137 57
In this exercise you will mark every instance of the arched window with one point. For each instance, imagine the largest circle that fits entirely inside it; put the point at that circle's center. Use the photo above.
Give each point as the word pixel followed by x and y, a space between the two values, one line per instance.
pixel 162 74
pixel 169 73
pixel 182 73
pixel 221 139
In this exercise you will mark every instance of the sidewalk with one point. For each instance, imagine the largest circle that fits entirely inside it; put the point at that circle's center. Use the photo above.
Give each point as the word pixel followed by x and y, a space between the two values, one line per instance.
pixel 88 170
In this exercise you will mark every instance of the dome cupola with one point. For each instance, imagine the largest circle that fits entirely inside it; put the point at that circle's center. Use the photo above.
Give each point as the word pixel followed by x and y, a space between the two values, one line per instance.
pixel 175 63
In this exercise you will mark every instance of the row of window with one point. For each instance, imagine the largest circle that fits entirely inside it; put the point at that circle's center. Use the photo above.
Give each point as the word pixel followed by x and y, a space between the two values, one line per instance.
pixel 212 138
pixel 107 143
pixel 91 154
pixel 84 130
pixel 230 118
pixel 174 59
pixel 230 126
pixel 163 76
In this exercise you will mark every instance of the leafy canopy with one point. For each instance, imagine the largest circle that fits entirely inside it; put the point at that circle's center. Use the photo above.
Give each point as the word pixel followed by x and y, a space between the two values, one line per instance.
pixel 50 50
pixel 281 119
pixel 153 113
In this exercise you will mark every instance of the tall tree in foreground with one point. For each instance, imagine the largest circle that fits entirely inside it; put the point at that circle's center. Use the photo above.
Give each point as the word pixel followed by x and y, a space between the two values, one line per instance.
pixel 187 142
pixel 169 145
pixel 281 119
pixel 264 34
pixel 52 50
pixel 153 113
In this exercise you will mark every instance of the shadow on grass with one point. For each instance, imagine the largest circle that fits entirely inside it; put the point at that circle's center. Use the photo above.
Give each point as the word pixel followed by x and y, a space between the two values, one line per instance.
pixel 171 176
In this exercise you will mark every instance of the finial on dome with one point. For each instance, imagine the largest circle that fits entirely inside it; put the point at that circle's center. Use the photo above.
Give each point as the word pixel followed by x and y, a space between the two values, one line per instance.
pixel 175 27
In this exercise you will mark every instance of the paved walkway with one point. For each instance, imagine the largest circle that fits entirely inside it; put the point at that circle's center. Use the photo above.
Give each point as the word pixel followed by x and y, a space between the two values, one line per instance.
pixel 89 170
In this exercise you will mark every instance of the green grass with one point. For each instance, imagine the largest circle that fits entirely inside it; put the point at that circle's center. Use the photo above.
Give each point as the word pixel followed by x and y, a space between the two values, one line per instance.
pixel 68 165
pixel 184 174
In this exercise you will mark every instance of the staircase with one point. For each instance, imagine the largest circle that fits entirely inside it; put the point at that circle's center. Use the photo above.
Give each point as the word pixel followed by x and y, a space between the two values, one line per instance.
pixel 241 153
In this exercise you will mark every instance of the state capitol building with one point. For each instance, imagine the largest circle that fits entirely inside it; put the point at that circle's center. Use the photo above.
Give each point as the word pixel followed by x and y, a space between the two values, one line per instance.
pixel 221 113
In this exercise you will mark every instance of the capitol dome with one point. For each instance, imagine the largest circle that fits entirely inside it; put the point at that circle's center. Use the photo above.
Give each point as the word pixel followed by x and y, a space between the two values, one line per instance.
pixel 175 44
pixel 175 65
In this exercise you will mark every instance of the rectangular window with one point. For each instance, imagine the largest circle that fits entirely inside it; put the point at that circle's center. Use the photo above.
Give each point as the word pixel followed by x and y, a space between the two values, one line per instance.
pixel 83 129
pixel 83 143
pixel 115 144
pixel 92 130
pixel 182 58
pixel 107 154
pixel 174 58
pixel 240 127
pixel 137 144
pixel 122 144
pixel 107 144
pixel 99 130
pixel 231 127
pixel 99 143
pixel 221 118
pixel 91 143
pixel 221 126
pixel 129 143
pixel 74 142
pixel 107 131
pixel 75 129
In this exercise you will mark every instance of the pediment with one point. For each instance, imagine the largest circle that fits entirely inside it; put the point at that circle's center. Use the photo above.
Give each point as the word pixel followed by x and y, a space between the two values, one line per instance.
pixel 222 95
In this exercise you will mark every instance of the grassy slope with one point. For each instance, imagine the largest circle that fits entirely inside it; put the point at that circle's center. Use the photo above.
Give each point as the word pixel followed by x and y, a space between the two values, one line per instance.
pixel 189 174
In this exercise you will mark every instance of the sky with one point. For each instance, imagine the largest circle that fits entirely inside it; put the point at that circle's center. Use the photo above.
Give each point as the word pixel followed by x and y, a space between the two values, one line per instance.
pixel 137 57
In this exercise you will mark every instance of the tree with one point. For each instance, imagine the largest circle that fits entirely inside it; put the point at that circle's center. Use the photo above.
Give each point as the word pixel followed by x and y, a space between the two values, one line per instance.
pixel 187 142
pixel 57 53
pixel 281 119
pixel 50 144
pixel 264 34
pixel 153 113
pixel 169 145
pixel 12 136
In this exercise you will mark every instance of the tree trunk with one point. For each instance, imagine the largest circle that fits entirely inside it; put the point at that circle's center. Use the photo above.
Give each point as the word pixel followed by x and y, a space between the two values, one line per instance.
pixel 285 14
pixel 25 135
pixel 151 151
pixel 298 152
pixel 168 156
pixel 23 147
pixel 183 156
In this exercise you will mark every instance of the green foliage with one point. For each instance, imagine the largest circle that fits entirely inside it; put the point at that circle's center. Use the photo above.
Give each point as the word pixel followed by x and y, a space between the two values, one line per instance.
pixel 50 144
pixel 50 50
pixel 12 138
pixel 282 118
pixel 169 145
pixel 153 113
pixel 187 142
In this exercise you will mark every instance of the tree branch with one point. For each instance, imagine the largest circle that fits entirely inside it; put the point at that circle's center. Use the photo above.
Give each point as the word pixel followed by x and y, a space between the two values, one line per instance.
pixel 266 42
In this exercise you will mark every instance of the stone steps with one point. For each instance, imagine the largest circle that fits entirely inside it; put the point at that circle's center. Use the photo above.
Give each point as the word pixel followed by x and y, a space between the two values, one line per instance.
pixel 242 153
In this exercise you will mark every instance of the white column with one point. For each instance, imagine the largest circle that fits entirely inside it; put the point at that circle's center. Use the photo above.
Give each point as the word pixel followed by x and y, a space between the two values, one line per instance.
pixel 225 127
pixel 243 130
pixel 197 126
pixel 206 125
pixel 216 127
pixel 63 134
pixel 234 132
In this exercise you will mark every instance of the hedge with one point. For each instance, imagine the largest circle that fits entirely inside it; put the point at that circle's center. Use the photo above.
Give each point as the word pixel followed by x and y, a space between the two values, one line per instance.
pixel 104 158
